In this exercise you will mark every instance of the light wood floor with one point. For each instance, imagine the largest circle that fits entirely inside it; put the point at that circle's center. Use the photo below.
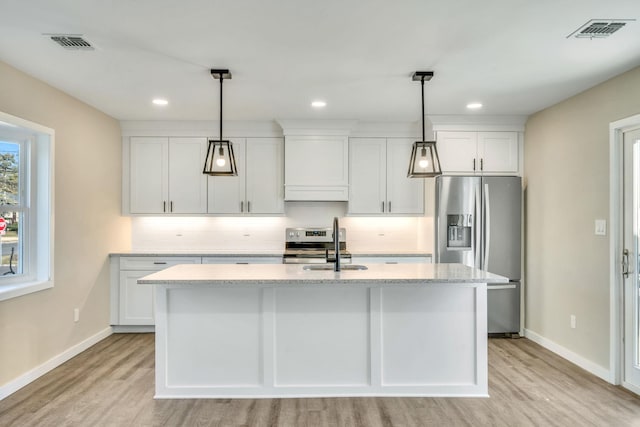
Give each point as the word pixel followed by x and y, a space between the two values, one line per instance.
pixel 112 384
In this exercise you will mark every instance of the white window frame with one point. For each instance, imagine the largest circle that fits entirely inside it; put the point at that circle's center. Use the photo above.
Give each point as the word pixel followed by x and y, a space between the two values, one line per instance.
pixel 36 195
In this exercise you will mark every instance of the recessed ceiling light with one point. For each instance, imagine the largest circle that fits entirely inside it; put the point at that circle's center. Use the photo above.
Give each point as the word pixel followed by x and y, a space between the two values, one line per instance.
pixel 474 105
pixel 160 101
pixel 318 104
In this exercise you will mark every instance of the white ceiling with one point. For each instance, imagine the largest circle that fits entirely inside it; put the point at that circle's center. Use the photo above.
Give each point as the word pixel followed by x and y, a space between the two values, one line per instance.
pixel 357 55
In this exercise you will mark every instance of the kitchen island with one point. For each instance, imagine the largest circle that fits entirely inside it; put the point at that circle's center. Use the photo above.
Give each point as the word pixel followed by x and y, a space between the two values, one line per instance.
pixel 253 330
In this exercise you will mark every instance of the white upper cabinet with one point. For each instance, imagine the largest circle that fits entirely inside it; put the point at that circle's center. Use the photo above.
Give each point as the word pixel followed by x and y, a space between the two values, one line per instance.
pixel 404 195
pixel 187 183
pixel 265 175
pixel 149 175
pixel 316 168
pixel 258 188
pixel 166 175
pixel 378 177
pixel 498 151
pixel 368 175
pixel 479 152
pixel 227 193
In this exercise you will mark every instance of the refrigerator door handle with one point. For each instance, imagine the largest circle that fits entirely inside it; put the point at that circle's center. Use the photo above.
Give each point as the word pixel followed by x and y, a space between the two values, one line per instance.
pixel 477 225
pixel 487 226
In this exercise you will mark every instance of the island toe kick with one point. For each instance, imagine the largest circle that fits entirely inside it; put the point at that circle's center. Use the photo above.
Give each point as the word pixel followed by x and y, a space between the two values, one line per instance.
pixel 232 341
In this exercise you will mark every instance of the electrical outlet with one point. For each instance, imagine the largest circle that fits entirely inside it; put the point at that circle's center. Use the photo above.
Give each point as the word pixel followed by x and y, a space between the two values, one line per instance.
pixel 573 321
pixel 76 314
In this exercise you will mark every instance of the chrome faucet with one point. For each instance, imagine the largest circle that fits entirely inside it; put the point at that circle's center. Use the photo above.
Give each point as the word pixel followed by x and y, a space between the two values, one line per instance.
pixel 336 244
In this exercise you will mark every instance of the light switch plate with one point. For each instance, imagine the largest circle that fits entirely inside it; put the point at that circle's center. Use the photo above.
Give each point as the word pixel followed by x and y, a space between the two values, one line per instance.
pixel 601 227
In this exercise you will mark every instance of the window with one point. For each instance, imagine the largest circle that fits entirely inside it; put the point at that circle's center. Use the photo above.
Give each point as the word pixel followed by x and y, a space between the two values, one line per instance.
pixel 26 207
pixel 13 207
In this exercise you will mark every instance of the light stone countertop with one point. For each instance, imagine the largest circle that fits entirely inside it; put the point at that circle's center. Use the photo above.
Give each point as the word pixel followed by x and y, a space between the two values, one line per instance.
pixel 220 253
pixel 263 253
pixel 290 274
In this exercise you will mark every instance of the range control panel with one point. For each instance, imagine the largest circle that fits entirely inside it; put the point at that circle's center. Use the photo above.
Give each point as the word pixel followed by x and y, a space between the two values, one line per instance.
pixel 301 235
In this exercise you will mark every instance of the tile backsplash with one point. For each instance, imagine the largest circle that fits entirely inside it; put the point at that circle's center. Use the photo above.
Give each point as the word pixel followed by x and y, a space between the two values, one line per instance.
pixel 210 233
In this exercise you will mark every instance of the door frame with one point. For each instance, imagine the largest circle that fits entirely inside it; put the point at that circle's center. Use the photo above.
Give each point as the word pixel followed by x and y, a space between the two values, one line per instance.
pixel 616 301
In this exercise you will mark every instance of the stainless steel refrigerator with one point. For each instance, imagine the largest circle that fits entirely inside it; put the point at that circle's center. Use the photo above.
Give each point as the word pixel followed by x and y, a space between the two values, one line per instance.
pixel 478 223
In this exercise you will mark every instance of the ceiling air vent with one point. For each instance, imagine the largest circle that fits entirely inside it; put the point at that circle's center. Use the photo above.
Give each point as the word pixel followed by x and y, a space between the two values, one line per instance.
pixel 71 41
pixel 599 28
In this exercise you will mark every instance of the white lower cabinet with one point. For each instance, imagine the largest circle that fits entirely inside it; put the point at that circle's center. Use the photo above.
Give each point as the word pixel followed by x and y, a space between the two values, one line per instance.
pixel 136 301
pixel 131 303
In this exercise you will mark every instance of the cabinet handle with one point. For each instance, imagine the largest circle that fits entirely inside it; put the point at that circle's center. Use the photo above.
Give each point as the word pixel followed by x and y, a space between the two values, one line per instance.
pixel 474 164
pixel 160 262
pixel 382 207
pixel 242 206
pixel 481 164
pixel 171 206
pixel 389 210
pixel 164 206
pixel 248 206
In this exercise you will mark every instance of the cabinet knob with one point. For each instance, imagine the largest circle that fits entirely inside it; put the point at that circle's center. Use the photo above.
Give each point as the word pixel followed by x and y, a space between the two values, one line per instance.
pixel 481 164
pixel 164 206
pixel 382 207
pixel 248 206
pixel 242 206
pixel 474 164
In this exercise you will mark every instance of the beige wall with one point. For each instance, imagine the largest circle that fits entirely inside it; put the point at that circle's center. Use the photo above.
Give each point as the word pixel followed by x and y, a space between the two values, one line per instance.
pixel 36 327
pixel 567 188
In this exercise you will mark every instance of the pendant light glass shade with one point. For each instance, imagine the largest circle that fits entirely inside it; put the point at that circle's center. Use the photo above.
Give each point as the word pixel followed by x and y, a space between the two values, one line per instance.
pixel 424 162
pixel 220 160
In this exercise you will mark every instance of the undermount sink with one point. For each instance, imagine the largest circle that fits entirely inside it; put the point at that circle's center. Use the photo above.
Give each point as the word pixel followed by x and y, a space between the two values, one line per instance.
pixel 330 267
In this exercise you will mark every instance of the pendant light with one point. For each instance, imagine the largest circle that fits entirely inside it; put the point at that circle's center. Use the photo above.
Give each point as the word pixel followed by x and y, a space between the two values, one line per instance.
pixel 424 155
pixel 220 160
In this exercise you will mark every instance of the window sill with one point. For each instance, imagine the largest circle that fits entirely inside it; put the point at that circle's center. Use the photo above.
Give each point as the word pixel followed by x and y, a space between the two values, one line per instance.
pixel 14 290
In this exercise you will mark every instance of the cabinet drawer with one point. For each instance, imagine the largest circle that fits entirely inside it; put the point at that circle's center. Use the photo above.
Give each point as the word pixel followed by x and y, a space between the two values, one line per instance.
pixel 154 263
pixel 242 260
pixel 391 260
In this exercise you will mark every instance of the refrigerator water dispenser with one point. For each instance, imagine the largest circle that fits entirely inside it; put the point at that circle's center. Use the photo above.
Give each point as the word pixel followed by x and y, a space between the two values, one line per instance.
pixel 459 231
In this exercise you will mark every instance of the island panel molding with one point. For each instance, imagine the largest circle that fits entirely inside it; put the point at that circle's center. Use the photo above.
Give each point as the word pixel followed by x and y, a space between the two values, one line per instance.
pixel 276 331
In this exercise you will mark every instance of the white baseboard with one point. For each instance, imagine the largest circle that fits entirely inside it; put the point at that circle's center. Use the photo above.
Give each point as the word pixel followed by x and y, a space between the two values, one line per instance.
pixel 572 357
pixel 24 379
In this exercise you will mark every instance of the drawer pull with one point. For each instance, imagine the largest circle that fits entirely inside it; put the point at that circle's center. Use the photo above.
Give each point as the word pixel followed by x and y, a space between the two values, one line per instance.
pixel 160 262
pixel 391 262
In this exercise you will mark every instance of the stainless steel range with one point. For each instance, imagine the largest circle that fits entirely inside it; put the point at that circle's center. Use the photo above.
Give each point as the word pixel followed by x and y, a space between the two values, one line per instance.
pixel 314 246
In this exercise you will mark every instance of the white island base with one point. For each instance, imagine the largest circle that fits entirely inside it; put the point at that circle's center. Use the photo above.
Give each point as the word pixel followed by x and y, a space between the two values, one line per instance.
pixel 332 334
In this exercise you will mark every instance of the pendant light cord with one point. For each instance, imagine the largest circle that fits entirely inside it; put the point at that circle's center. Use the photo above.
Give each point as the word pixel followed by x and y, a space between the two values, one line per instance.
pixel 222 78
pixel 422 83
